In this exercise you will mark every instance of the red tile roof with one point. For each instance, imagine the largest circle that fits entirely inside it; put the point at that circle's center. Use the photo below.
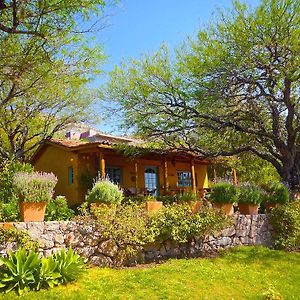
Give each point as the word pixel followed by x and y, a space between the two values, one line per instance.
pixel 68 143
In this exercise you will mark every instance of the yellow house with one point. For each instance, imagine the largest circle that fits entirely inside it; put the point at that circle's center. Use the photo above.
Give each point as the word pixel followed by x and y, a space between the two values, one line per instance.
pixel 77 162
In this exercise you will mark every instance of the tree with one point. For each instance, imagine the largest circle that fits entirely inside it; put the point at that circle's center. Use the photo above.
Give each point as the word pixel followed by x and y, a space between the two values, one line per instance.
pixel 234 89
pixel 46 62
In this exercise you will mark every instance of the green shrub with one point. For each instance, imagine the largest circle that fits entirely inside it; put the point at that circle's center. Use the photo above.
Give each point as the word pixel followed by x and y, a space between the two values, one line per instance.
pixel 277 193
pixel 20 237
pixel 57 210
pixel 223 192
pixel 133 200
pixel 249 194
pixel 9 207
pixel 69 265
pixel 127 226
pixel 105 191
pixel 47 275
pixel 168 199
pixel 285 221
pixel 178 223
pixel 34 187
pixel 18 271
pixel 186 197
pixel 8 169
pixel 9 212
pixel 23 271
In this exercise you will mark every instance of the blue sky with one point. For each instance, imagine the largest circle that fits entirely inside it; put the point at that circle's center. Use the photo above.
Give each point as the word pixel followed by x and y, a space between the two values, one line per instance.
pixel 141 26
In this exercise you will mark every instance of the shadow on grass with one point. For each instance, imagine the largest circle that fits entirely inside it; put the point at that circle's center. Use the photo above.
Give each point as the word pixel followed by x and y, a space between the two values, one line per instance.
pixel 265 256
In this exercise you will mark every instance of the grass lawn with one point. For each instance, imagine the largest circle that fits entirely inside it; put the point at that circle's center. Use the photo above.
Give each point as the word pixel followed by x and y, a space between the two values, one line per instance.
pixel 242 273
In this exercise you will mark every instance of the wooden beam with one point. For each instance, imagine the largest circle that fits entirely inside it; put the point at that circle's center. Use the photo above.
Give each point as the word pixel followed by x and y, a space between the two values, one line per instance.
pixel 194 188
pixel 102 165
pixel 166 182
pixel 234 177
pixel 136 176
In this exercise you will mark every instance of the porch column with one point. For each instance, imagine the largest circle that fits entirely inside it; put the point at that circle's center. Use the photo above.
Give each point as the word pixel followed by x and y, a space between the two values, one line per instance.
pixel 166 183
pixel 215 174
pixel 234 177
pixel 102 165
pixel 194 188
pixel 136 176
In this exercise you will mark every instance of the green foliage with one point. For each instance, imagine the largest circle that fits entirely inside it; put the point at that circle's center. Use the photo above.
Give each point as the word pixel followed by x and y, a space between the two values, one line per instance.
pixel 285 221
pixel 249 193
pixel 24 271
pixel 48 274
pixel 223 192
pixel 105 191
pixel 178 223
pixel 127 226
pixel 8 169
pixel 57 210
pixel 34 187
pixel 9 208
pixel 186 196
pixel 21 238
pixel 167 199
pixel 69 265
pixel 18 271
pixel 277 193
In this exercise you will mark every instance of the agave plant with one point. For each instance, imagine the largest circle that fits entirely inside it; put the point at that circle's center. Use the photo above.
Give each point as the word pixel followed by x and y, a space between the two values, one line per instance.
pixel 18 271
pixel 69 265
pixel 47 275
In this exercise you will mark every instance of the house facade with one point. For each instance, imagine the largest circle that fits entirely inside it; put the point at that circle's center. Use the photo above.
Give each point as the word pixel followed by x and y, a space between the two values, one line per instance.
pixel 77 162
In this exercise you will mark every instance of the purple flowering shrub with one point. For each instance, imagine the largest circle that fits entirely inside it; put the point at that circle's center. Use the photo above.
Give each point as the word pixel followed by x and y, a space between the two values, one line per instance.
pixel 34 187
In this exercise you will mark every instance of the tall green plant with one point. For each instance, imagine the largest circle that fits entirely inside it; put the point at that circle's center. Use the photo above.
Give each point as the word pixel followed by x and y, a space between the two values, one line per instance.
pixel 18 271
pixel 223 192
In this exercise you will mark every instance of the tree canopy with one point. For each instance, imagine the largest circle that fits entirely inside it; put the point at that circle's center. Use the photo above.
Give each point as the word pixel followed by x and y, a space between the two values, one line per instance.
pixel 46 61
pixel 233 89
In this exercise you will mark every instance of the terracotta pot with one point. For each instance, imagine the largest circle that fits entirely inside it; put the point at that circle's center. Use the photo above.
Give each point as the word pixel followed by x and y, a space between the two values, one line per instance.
pixel 248 209
pixel 153 206
pixel 32 211
pixel 270 206
pixel 226 207
pixel 196 205
pixel 6 225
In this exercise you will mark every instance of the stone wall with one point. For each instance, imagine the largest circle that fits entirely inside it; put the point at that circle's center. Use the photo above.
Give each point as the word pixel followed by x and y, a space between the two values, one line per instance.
pixel 246 230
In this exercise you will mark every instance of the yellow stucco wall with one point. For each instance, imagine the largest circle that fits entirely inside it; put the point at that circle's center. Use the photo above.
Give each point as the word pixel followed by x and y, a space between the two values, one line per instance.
pixel 57 161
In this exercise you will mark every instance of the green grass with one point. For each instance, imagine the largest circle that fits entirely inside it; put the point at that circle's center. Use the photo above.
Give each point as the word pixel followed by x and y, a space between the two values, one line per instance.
pixel 242 273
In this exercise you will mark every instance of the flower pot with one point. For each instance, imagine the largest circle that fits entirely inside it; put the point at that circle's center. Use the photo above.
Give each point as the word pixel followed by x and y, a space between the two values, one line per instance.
pixel 226 207
pixel 248 209
pixel 153 206
pixel 32 211
pixel 270 206
pixel 196 205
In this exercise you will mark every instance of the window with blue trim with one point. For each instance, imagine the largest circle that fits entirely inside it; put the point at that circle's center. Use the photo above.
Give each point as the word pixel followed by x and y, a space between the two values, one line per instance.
pixel 70 175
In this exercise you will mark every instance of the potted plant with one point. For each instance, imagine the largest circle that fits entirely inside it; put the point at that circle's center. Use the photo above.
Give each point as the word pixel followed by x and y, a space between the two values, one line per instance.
pixel 222 196
pixel 35 190
pixel 152 205
pixel 190 198
pixel 276 194
pixel 104 192
pixel 249 198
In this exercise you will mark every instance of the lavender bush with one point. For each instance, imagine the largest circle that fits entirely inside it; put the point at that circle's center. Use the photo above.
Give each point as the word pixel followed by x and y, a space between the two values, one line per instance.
pixel 34 187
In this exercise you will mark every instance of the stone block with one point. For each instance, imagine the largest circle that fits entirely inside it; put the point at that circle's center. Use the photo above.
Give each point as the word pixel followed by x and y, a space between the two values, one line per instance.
pixel 108 248
pixel 224 241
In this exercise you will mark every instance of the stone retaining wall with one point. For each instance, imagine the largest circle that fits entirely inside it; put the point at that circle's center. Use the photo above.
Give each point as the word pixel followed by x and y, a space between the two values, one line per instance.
pixel 246 230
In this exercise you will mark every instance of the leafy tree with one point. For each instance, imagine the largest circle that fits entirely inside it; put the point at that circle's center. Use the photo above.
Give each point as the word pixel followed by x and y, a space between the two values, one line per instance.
pixel 234 89
pixel 46 62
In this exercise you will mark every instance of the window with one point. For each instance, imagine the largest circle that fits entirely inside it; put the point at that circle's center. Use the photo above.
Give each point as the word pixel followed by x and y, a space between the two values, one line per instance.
pixel 184 179
pixel 114 174
pixel 151 180
pixel 70 175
